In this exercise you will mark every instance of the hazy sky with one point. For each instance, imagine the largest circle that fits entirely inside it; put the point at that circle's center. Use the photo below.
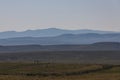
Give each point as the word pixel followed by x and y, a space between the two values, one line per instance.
pixel 67 14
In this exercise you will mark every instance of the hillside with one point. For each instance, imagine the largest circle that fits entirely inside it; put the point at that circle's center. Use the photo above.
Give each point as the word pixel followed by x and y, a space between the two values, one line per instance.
pixel 50 32
pixel 101 46
pixel 66 39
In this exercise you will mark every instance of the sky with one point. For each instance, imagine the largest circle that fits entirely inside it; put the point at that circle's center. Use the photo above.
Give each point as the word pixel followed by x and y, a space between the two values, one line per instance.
pixel 20 15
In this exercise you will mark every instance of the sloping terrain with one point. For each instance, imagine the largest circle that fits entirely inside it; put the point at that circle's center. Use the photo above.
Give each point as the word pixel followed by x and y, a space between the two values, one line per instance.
pixel 101 46
pixel 50 32
pixel 66 39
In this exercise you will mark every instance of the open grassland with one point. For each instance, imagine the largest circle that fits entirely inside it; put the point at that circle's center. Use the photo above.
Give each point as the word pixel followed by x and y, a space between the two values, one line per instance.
pixel 45 68
pixel 82 57
pixel 95 76
pixel 58 71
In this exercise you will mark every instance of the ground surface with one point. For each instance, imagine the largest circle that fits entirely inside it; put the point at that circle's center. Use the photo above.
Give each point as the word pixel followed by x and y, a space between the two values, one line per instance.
pixel 57 71
pixel 85 57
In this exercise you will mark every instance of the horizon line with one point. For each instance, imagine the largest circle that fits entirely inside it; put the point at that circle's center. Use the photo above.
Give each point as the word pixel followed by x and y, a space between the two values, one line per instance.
pixel 56 29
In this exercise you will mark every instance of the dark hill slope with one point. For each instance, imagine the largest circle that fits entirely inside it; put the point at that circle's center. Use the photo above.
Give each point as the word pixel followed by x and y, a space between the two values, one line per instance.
pixel 103 46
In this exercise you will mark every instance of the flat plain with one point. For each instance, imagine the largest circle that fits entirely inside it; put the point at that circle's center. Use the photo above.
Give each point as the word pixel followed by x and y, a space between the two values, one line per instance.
pixel 60 65
pixel 58 71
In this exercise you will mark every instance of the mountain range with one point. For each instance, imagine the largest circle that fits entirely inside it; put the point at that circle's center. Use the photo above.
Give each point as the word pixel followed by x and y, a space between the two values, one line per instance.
pixel 54 36
pixel 50 32
pixel 101 46
pixel 66 39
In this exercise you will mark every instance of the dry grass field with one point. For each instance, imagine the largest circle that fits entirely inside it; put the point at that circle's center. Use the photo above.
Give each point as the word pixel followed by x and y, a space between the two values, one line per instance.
pixel 58 71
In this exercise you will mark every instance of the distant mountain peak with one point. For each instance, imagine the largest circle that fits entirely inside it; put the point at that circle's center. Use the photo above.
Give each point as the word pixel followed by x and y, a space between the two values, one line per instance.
pixel 54 28
pixel 49 32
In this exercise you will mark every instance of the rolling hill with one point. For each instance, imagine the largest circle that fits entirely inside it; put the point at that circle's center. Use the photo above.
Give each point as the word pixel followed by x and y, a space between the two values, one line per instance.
pixel 50 32
pixel 101 46
pixel 100 53
pixel 65 39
